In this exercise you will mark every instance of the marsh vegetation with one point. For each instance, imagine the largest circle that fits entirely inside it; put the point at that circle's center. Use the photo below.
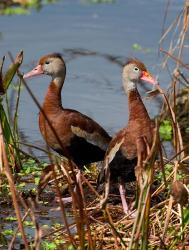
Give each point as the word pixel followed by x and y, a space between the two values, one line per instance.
pixel 33 215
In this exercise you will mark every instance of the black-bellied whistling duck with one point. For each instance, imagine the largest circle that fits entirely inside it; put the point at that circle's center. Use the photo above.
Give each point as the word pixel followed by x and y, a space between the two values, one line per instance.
pixel 121 155
pixel 79 137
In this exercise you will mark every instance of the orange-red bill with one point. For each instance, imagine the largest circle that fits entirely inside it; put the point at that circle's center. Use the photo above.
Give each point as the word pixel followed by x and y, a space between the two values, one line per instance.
pixel 34 72
pixel 146 76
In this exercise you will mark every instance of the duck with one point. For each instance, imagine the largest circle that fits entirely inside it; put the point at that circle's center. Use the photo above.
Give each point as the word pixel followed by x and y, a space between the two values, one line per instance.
pixel 121 155
pixel 67 131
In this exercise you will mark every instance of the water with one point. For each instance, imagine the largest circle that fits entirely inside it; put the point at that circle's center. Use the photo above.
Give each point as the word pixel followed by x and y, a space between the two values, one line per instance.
pixel 93 84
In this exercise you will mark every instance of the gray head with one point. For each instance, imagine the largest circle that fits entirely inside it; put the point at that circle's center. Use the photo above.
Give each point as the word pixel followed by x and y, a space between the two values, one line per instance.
pixel 134 72
pixel 52 64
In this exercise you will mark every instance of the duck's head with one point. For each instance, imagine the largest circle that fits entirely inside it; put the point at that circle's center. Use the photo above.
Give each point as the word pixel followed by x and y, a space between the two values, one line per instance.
pixel 134 72
pixel 52 64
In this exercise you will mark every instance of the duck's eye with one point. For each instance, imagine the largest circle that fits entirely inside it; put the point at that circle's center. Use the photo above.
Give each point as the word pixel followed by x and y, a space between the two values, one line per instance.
pixel 47 62
pixel 136 69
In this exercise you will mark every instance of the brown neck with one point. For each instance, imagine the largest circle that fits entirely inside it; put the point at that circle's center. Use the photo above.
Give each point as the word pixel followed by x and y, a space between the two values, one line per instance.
pixel 137 109
pixel 52 103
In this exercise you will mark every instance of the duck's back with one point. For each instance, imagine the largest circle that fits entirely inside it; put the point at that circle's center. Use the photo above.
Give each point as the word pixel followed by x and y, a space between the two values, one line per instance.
pixel 83 138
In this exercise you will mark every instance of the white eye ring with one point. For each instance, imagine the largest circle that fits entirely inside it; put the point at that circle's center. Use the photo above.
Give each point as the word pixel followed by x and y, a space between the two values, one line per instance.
pixel 136 69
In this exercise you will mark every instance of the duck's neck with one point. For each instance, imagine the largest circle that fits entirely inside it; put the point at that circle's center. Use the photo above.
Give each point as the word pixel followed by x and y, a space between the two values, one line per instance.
pixel 137 110
pixel 52 102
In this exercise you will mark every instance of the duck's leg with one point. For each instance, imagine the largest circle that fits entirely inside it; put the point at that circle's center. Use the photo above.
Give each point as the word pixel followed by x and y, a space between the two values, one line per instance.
pixel 67 200
pixel 122 192
pixel 106 188
pixel 78 180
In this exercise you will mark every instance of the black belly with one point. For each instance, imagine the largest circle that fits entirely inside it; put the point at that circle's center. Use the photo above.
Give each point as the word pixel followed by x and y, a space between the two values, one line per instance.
pixel 121 167
pixel 82 152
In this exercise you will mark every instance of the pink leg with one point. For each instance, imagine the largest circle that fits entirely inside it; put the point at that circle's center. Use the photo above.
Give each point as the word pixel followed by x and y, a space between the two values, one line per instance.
pixel 67 200
pixel 122 192
pixel 78 179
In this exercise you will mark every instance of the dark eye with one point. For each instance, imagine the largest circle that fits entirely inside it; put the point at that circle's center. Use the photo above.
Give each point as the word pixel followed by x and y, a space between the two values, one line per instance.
pixel 136 69
pixel 47 62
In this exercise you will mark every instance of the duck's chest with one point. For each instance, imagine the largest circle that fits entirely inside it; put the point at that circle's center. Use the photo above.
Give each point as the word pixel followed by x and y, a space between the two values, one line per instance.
pixel 55 128
pixel 135 131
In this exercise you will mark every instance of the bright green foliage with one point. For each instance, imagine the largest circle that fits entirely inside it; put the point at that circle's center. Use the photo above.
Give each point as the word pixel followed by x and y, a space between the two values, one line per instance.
pixel 7 78
pixel 28 223
pixel 37 179
pixel 7 132
pixel 23 8
pixel 168 168
pixel 57 225
pixel 21 185
pixel 10 135
pixel 71 247
pixel 59 241
pixel 186 216
pixel 166 130
pixel 184 229
pixel 49 245
pixel 8 232
pixel 55 244
pixel 3 240
pixel 14 11
pixel 30 166
pixel 11 218
pixel 138 47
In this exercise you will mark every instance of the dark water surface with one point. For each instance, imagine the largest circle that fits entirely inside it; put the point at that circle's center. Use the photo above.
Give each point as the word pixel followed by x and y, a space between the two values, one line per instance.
pixel 93 84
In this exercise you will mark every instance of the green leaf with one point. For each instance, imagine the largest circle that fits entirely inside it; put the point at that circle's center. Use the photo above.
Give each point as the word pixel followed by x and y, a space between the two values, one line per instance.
pixel 49 245
pixel 11 218
pixel 186 216
pixel 8 136
pixel 5 126
pixel 28 223
pixel 3 240
pixel 1 75
pixel 71 247
pixel 12 71
pixel 14 11
pixel 37 179
pixel 166 130
pixel 8 232
pixel 136 46
pixel 21 185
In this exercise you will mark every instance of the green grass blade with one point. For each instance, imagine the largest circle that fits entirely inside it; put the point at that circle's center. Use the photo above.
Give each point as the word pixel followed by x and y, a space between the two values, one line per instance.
pixel 1 75
pixel 5 126
pixel 12 71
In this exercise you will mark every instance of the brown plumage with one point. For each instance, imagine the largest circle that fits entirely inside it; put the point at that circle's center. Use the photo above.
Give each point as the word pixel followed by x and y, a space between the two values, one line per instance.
pixel 75 135
pixel 121 155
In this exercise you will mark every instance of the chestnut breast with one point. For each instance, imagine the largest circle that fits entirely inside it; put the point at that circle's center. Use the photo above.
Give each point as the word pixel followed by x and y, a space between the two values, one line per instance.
pixel 61 124
pixel 128 136
pixel 69 123
pixel 136 129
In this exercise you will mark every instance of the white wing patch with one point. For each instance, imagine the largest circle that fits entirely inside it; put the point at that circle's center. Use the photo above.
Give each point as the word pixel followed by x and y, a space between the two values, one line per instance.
pixel 93 138
pixel 112 153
